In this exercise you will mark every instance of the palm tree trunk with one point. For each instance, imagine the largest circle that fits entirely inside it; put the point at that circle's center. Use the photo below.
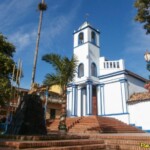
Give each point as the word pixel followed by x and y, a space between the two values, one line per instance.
pixel 37 46
pixel 62 123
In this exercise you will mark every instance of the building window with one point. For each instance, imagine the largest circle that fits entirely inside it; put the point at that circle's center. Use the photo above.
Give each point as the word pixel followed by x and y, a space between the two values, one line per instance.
pixel 93 70
pixel 93 37
pixel 52 113
pixel 81 70
pixel 80 38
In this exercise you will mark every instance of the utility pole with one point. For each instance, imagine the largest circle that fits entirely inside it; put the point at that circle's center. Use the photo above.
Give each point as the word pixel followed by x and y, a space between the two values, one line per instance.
pixel 42 7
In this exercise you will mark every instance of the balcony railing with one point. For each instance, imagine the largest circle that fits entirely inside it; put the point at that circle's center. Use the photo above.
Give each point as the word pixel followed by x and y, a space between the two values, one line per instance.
pixel 113 64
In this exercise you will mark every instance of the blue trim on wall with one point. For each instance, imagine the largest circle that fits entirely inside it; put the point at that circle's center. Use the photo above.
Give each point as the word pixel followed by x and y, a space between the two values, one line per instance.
pixel 126 92
pixel 72 85
pixel 123 80
pixel 125 87
pixel 85 28
pixel 75 100
pixel 112 74
pixel 89 82
pixel 86 43
pixel 116 114
pixel 126 72
pixel 72 107
pixel 147 131
pixel 101 85
pixel 101 98
pixel 128 96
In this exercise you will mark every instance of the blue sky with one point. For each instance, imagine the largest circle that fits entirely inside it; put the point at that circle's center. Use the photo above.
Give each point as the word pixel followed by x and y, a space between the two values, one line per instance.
pixel 121 36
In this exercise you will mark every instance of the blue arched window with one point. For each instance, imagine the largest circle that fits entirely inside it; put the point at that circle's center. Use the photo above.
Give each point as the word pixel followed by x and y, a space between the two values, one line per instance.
pixel 80 38
pixel 93 70
pixel 81 70
pixel 93 37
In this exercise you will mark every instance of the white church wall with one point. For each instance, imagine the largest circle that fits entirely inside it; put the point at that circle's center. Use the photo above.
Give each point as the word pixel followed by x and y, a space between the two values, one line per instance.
pixel 82 58
pixel 135 85
pixel 139 114
pixel 113 98
pixel 94 52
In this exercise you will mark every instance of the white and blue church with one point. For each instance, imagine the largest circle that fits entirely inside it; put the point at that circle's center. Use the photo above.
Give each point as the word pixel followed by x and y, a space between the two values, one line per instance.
pixel 101 87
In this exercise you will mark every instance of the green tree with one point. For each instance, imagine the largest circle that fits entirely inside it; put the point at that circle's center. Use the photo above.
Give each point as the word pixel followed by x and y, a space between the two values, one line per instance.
pixel 6 68
pixel 143 13
pixel 64 73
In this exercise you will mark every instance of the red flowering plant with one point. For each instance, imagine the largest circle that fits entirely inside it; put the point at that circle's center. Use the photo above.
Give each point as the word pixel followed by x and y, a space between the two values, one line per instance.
pixel 147 86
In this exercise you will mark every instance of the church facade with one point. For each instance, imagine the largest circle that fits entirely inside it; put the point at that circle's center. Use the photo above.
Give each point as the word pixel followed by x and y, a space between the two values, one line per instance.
pixel 100 87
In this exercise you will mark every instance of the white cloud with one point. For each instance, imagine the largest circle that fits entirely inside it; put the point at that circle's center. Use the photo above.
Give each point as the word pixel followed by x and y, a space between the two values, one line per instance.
pixel 12 12
pixel 138 41
pixel 22 40
pixel 56 25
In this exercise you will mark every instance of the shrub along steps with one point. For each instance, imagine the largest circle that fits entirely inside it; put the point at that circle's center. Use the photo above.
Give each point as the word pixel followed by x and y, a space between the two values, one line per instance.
pixel 70 122
pixel 76 144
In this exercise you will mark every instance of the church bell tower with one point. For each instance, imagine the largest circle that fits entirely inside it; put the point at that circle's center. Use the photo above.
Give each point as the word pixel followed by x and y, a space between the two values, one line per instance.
pixel 86 48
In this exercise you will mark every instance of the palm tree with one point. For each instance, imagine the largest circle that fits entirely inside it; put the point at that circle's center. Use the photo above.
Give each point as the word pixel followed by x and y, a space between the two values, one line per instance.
pixel 64 73
pixel 42 7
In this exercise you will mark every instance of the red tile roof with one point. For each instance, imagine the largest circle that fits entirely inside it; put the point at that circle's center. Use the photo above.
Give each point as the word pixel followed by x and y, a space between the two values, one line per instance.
pixel 139 97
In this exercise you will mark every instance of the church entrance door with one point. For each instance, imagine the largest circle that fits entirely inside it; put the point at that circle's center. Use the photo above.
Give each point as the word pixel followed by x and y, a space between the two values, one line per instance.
pixel 94 100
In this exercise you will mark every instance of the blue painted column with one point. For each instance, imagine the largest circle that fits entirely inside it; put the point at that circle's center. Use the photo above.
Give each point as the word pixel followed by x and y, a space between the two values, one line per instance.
pixel 98 100
pixel 78 102
pixel 89 98
pixel 74 100
pixel 102 100
pixel 68 104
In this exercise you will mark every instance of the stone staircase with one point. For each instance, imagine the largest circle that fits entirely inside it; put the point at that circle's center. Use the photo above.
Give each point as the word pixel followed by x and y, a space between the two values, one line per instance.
pixel 70 122
pixel 65 142
pixel 125 141
pixel 112 125
pixel 84 133
pixel 122 141
pixel 95 124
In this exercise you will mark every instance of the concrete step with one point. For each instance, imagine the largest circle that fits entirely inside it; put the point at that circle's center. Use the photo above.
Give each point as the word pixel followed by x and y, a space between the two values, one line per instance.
pixel 76 147
pixel 125 142
pixel 44 144
pixel 95 124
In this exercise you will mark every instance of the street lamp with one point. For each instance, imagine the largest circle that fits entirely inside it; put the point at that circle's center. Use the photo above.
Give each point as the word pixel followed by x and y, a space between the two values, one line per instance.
pixel 147 59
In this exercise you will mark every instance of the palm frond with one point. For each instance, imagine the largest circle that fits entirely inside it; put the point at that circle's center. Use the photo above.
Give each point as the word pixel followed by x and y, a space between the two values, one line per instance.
pixel 51 79
pixel 65 70
pixel 54 59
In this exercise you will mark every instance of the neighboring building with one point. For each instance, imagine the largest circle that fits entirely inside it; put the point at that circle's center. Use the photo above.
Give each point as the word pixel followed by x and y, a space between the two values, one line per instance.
pixel 53 102
pixel 53 110
pixel 139 108
pixel 101 87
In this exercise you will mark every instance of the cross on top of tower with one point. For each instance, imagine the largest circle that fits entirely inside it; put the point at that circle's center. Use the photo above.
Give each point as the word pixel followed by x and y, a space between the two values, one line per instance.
pixel 86 16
